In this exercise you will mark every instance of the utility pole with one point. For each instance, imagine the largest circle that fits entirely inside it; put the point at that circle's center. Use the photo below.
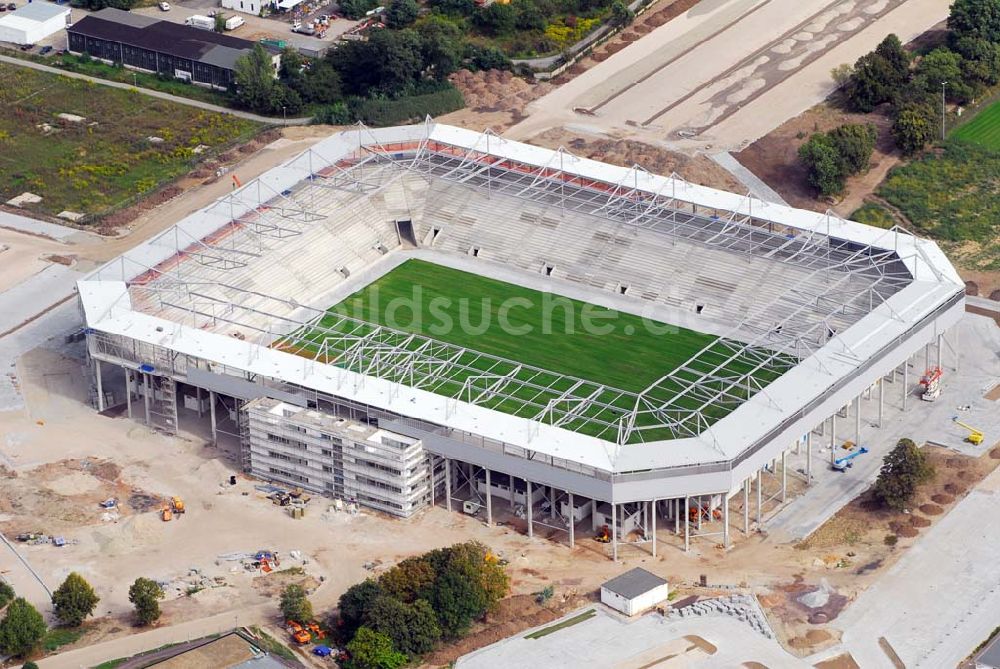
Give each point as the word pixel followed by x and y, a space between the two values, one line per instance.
pixel 943 84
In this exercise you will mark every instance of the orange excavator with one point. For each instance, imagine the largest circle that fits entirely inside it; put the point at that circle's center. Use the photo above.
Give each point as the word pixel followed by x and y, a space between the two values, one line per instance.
pixel 715 514
pixel 300 635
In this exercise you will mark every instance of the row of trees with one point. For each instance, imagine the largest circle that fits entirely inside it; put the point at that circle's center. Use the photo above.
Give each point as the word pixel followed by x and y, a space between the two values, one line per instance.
pixel 962 70
pixel 390 64
pixel 406 611
pixel 23 627
pixel 831 157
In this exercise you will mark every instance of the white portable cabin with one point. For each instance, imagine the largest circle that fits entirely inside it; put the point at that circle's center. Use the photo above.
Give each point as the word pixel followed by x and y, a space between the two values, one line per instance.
pixel 635 591
pixel 33 22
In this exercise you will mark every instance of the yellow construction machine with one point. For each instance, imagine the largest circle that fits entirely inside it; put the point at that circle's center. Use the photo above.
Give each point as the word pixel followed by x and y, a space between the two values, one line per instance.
pixel 975 436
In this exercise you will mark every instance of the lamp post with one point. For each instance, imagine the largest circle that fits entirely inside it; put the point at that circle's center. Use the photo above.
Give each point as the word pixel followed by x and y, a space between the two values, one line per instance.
pixel 943 84
pixel 135 80
pixel 284 117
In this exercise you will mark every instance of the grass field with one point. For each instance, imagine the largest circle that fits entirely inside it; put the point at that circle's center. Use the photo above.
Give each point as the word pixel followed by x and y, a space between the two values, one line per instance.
pixel 983 130
pixel 93 165
pixel 565 338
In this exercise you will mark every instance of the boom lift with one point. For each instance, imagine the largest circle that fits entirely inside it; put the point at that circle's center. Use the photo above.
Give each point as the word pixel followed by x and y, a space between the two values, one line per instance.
pixel 931 381
pixel 975 436
pixel 844 463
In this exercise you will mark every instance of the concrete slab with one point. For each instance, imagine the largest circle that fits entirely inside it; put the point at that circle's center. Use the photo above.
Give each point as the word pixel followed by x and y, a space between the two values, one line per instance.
pixel 36 227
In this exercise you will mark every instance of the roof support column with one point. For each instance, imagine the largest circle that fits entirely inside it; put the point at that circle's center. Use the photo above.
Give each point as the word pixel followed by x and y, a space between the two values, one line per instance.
pixel 100 385
pixel 940 340
pixel 614 531
pixel 489 499
pixel 145 397
pixel 857 420
pixel 809 457
pixel 906 381
pixel 687 523
pixel 447 484
pixel 760 479
pixel 677 515
pixel 881 400
pixel 211 402
pixel 725 520
pixel 784 478
pixel 430 462
pixel 746 506
pixel 572 523
pixel 654 527
pixel 833 438
pixel 529 503
pixel 128 390
pixel 197 394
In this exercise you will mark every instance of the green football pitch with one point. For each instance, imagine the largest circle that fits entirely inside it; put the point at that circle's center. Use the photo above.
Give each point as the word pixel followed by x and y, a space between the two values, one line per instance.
pixel 563 341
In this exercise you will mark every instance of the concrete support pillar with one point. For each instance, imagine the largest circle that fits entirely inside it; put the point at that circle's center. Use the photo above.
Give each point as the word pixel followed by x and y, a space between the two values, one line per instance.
pixel 809 457
pixel 927 355
pixel 760 488
pixel 725 519
pixel 100 385
pixel 528 505
pixel 687 523
pixel 906 381
pixel 211 403
pixel 430 460
pixel 940 339
pixel 701 511
pixel 128 391
pixel 145 397
pixel 746 507
pixel 677 516
pixel 552 503
pixel 881 400
pixel 833 438
pixel 857 420
pixel 614 531
pixel 489 500
pixel 654 527
pixel 572 523
pixel 197 390
pixel 447 483
pixel 784 479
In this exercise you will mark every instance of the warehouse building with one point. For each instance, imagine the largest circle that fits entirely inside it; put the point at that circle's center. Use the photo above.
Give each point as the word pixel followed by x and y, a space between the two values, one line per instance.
pixel 33 22
pixel 151 45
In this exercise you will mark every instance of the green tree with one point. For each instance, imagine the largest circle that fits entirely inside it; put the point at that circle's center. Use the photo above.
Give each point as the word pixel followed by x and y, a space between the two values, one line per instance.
pixel 6 593
pixel 291 72
pixel 29 665
pixel 529 16
pixel 295 605
pixel 256 87
pixel 621 15
pixel 145 595
pixel 497 19
pixel 487 58
pixel 220 23
pixel 975 18
pixel 401 13
pixel 371 650
pixel 944 65
pixel 825 168
pixel 855 144
pixel 841 74
pixel 913 127
pixel 454 7
pixel 409 580
pixel 321 84
pixel 981 60
pixel 413 628
pixel 352 606
pixel 891 50
pixel 356 9
pixel 904 468
pixel 442 45
pixel 74 600
pixel 21 629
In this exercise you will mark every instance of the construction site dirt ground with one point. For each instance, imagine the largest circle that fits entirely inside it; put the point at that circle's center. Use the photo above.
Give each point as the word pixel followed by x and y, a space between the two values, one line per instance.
pixel 67 459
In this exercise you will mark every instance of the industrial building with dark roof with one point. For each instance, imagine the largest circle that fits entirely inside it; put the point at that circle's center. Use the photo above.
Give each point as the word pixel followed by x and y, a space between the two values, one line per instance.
pixel 145 43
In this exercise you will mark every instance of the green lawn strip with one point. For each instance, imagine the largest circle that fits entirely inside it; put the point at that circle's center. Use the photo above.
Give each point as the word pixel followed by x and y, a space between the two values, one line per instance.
pixel 983 130
pixel 272 645
pixel 569 622
pixel 61 636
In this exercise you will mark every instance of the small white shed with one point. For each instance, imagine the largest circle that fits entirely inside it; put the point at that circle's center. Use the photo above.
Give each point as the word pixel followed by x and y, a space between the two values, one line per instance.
pixel 635 591
pixel 33 22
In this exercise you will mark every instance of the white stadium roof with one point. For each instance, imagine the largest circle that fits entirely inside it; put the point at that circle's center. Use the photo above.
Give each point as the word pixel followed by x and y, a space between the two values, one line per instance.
pixel 933 285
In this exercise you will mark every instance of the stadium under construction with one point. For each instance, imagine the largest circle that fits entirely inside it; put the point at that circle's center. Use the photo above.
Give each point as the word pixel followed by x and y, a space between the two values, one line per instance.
pixel 257 317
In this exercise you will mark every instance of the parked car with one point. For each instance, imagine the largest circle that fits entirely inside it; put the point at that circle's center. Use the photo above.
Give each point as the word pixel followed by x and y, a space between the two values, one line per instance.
pixel 3 7
pixel 45 50
pixel 164 6
pixel 11 6
pixel 27 47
